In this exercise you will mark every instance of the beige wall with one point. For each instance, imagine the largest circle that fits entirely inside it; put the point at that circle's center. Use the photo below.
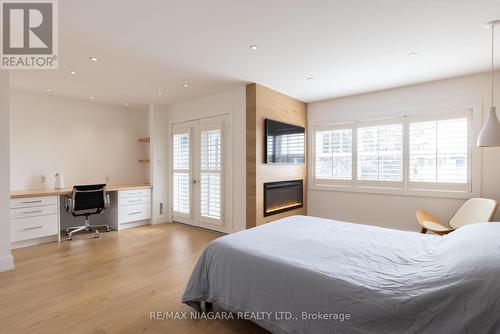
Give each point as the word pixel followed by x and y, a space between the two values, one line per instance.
pixel 88 142
pixel 6 260
pixel 399 211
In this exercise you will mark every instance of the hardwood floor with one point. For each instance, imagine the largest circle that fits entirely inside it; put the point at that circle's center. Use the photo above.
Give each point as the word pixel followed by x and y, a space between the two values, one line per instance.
pixel 108 285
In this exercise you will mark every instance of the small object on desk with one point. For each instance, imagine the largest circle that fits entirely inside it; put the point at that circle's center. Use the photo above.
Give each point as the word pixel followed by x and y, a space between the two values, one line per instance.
pixel 86 201
pixel 59 184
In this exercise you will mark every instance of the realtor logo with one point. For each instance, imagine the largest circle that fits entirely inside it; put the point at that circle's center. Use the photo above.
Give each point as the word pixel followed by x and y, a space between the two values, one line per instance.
pixel 29 34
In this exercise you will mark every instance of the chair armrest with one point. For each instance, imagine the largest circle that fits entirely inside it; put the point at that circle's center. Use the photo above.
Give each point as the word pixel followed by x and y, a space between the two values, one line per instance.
pixel 69 204
pixel 431 223
pixel 107 201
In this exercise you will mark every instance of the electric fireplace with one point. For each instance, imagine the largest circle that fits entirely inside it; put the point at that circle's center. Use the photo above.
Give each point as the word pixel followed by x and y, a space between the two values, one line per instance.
pixel 282 196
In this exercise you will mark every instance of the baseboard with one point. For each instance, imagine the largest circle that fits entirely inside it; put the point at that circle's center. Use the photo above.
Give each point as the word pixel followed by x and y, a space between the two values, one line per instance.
pixel 160 220
pixel 33 242
pixel 6 263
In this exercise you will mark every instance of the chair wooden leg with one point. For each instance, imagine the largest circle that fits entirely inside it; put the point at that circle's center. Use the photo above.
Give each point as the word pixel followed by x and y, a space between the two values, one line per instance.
pixel 423 230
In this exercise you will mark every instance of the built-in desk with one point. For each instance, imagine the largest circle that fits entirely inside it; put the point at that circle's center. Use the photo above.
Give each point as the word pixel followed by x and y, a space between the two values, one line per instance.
pixel 38 216
pixel 68 191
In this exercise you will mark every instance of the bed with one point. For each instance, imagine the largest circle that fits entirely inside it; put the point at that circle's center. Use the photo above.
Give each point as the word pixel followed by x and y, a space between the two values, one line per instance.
pixel 310 275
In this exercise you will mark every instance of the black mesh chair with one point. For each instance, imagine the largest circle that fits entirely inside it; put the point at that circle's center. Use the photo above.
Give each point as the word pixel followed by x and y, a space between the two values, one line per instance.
pixel 86 201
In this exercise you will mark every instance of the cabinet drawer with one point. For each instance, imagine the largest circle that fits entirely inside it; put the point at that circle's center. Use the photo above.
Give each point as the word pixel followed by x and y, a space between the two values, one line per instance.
pixel 130 213
pixel 33 211
pixel 134 193
pixel 134 200
pixel 32 201
pixel 33 227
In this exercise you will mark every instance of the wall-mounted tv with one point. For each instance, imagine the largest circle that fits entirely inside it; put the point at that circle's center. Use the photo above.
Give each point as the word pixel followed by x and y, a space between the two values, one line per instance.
pixel 284 143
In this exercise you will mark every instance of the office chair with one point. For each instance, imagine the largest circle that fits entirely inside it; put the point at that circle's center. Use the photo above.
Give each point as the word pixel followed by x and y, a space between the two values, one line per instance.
pixel 86 201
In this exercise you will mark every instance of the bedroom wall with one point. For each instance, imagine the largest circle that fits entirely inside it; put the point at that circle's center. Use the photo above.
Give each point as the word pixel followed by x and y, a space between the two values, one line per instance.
pixel 230 102
pixel 6 259
pixel 87 141
pixel 263 103
pixel 399 211
pixel 158 153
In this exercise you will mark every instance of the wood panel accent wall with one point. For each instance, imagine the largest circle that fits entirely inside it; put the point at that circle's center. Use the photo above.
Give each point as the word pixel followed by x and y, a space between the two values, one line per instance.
pixel 262 103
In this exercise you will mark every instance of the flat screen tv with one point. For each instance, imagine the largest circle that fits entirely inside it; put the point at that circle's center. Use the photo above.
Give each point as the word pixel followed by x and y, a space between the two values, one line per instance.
pixel 284 143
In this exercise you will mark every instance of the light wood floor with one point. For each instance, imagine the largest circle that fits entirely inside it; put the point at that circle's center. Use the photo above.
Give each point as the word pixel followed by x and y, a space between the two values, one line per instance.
pixel 108 285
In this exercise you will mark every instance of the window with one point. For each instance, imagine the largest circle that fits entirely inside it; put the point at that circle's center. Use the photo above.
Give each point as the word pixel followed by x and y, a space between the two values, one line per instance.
pixel 210 172
pixel 181 174
pixel 410 153
pixel 380 153
pixel 334 154
pixel 439 153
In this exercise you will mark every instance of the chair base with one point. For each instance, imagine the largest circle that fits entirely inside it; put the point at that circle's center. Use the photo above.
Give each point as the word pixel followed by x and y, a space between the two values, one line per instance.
pixel 87 227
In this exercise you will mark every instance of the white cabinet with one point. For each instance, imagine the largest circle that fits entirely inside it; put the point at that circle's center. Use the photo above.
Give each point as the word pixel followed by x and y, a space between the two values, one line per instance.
pixel 34 217
pixel 134 207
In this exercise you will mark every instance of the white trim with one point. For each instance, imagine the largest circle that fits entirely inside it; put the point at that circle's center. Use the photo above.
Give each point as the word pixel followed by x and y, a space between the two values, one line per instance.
pixel 6 263
pixel 394 191
pixel 160 219
pixel 441 190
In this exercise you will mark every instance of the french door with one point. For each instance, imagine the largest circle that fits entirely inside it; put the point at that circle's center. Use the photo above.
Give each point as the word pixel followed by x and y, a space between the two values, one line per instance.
pixel 200 182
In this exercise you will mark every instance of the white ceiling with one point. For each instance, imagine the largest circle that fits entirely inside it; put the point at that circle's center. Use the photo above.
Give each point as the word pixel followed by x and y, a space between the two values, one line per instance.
pixel 347 46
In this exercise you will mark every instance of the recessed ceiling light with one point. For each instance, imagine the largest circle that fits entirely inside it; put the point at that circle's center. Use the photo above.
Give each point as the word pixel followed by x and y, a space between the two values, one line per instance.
pixel 310 79
pixel 412 54
pixel 186 85
pixel 91 97
pixel 94 59
pixel 72 72
pixel 48 90
pixel 254 47
pixel 159 93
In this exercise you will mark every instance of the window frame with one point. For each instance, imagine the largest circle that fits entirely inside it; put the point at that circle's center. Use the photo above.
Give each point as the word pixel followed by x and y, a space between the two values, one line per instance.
pixel 333 127
pixel 375 183
pixel 445 186
pixel 428 189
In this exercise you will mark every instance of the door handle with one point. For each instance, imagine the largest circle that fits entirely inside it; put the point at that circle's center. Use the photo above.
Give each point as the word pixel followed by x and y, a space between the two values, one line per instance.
pixel 32 202
pixel 32 228
pixel 31 212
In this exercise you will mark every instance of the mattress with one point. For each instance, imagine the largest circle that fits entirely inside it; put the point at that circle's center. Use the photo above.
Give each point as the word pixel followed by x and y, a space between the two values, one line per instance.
pixel 304 274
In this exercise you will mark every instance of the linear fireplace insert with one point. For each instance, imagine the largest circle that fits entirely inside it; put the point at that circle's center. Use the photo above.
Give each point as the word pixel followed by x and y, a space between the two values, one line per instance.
pixel 282 196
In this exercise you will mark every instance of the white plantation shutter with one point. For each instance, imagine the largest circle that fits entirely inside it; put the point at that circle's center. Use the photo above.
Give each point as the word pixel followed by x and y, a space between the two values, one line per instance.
pixel 380 153
pixel 410 154
pixel 211 173
pixel 333 159
pixel 181 173
pixel 439 152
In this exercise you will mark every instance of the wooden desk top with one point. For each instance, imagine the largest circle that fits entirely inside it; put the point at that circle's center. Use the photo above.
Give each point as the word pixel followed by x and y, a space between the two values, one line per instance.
pixel 68 191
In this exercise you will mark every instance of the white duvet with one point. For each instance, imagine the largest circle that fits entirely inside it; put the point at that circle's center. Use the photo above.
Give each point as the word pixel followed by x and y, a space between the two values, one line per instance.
pixel 311 275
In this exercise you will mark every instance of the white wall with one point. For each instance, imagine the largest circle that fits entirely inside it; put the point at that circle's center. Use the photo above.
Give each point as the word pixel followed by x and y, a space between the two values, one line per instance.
pixel 159 133
pixel 6 260
pixel 399 211
pixel 88 142
pixel 232 102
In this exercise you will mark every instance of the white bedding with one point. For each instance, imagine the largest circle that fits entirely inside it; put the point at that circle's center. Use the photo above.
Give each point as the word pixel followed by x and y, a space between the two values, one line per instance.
pixel 387 281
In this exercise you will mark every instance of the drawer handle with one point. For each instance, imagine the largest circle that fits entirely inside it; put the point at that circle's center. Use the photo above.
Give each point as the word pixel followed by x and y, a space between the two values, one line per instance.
pixel 135 201
pixel 32 228
pixel 135 213
pixel 31 212
pixel 31 202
